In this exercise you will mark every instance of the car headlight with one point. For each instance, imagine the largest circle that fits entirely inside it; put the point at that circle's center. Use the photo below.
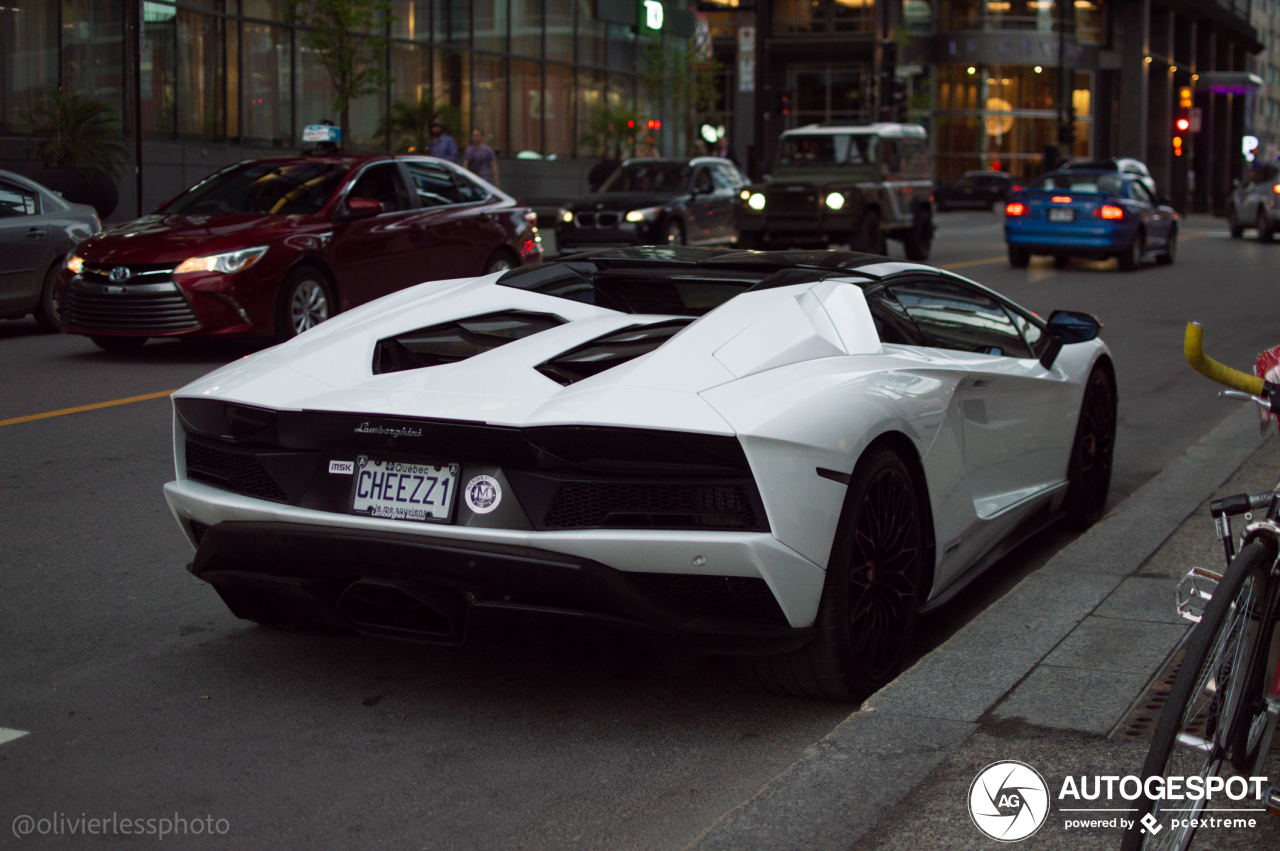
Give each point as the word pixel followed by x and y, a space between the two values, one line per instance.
pixel 756 201
pixel 744 194
pixel 835 200
pixel 648 214
pixel 231 261
pixel 75 263
pixel 566 216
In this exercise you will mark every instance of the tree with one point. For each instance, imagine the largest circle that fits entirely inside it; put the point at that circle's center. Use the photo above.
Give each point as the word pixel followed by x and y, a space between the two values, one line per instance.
pixel 409 124
pixel 80 133
pixel 675 75
pixel 610 132
pixel 343 33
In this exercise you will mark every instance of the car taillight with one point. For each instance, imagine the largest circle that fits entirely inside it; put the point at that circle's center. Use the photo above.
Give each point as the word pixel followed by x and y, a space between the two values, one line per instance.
pixel 1061 199
pixel 1017 208
pixel 1110 212
pixel 1017 188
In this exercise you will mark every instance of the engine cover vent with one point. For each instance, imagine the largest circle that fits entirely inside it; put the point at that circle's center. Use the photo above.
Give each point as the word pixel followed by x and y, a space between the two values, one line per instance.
pixel 460 339
pixel 613 349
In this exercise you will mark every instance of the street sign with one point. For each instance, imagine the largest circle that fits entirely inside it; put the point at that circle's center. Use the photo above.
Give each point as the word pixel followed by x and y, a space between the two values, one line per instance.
pixel 746 39
pixel 747 72
pixel 1193 116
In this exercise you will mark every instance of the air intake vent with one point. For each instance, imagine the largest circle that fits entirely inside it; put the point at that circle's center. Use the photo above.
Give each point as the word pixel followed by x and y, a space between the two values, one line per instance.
pixel 653 505
pixel 450 342
pixel 734 597
pixel 233 471
pixel 609 351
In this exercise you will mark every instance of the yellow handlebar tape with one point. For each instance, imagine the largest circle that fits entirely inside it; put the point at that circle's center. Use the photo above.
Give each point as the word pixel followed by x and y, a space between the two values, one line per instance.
pixel 1193 348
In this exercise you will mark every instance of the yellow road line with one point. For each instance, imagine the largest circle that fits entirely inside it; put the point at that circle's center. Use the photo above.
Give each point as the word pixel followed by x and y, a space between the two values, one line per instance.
pixel 81 408
pixel 975 263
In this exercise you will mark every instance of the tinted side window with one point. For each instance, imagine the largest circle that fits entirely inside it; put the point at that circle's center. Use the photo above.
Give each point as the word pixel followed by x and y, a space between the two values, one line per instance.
pixel 434 185
pixel 468 191
pixel 702 180
pixel 16 201
pixel 381 183
pixel 1140 192
pixel 723 178
pixel 953 316
pixel 892 322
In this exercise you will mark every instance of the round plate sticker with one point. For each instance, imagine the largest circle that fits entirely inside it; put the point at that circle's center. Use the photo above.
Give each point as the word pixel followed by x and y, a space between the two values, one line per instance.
pixel 483 493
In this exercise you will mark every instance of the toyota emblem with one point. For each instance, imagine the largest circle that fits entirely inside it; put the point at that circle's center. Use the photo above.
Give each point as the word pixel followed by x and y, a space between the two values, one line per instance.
pixel 120 274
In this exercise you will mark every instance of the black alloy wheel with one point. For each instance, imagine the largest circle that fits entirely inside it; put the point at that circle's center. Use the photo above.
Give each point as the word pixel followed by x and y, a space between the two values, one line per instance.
pixel 1089 470
pixel 1265 231
pixel 1019 258
pixel 673 232
pixel 1170 249
pixel 1131 258
pixel 871 594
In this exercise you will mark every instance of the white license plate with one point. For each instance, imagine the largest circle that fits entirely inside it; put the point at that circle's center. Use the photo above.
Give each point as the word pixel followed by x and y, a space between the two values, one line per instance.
pixel 403 490
pixel 1061 215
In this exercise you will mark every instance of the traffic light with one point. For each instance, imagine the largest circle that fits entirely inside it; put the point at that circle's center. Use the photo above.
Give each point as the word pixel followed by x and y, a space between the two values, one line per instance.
pixel 1182 122
pixel 655 124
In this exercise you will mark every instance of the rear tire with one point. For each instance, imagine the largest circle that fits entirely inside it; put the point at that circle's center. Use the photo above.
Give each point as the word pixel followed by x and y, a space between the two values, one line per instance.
pixel 1089 470
pixel 46 312
pixel 871 592
pixel 118 344
pixel 1061 261
pixel 1171 248
pixel 1265 232
pixel 1131 258
pixel 1215 652
pixel 919 239
pixel 1019 257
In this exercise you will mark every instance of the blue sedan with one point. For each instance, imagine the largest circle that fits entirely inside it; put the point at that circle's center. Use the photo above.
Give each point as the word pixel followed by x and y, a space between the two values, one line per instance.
pixel 1095 214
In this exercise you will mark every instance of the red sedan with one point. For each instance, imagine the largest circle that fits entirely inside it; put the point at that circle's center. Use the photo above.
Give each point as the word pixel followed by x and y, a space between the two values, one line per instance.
pixel 270 248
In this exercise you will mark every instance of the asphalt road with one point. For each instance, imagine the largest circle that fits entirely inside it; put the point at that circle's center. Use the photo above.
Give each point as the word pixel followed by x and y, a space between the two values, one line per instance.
pixel 144 698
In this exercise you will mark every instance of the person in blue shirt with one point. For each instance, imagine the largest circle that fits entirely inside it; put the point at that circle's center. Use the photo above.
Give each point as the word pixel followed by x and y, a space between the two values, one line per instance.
pixel 441 143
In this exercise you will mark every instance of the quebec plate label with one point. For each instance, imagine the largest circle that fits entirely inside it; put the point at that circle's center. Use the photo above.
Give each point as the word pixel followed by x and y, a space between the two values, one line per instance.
pixel 404 490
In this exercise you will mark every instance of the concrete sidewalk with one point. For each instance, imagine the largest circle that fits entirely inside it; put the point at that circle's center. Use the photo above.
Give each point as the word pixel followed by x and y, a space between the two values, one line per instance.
pixel 1044 676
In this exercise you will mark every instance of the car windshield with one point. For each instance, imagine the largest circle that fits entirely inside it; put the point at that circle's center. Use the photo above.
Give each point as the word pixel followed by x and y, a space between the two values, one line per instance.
pixel 1082 183
pixel 829 150
pixel 648 177
pixel 284 189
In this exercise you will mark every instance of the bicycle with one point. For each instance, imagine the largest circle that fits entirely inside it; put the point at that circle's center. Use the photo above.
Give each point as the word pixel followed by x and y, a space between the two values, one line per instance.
pixel 1223 708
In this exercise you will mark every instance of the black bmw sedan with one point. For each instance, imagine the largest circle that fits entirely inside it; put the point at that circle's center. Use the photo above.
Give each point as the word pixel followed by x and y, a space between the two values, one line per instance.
pixel 656 202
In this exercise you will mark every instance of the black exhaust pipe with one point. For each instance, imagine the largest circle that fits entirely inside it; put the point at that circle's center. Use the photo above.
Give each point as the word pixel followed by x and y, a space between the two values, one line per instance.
pixel 405 609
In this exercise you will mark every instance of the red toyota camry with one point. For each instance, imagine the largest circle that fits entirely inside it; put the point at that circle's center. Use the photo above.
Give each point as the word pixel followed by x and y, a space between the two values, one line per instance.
pixel 270 248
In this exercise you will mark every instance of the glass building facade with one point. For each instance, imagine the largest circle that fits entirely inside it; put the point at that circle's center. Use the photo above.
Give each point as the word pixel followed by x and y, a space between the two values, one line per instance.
pixel 527 72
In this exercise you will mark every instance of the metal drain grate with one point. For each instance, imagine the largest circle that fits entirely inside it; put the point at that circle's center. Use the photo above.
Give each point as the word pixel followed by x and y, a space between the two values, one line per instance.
pixel 1142 719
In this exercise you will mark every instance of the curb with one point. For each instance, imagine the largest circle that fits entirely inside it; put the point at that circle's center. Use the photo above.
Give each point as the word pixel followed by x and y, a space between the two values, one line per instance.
pixel 833 794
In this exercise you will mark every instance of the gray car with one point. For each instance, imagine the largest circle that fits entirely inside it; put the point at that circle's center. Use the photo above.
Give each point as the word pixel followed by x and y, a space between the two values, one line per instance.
pixel 1255 203
pixel 38 229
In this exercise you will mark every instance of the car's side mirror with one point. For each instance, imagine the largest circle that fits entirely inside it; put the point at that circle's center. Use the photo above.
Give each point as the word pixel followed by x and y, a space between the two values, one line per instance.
pixel 358 208
pixel 1074 327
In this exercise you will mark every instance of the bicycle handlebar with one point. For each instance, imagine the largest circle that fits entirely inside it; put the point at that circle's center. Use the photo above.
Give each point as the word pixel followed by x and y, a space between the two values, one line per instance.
pixel 1193 348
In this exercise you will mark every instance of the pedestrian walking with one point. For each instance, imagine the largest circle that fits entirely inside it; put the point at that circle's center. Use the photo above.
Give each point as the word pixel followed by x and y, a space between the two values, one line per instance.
pixel 481 159
pixel 441 144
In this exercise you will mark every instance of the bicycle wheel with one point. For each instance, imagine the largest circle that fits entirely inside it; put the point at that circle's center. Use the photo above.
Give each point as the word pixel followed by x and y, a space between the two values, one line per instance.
pixel 1196 723
pixel 1251 724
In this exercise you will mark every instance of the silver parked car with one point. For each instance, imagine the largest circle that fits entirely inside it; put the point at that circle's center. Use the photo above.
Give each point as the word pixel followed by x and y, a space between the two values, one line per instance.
pixel 1255 203
pixel 38 229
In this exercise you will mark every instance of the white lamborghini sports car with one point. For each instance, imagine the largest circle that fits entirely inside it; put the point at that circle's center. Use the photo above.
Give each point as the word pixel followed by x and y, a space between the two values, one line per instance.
pixel 784 456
